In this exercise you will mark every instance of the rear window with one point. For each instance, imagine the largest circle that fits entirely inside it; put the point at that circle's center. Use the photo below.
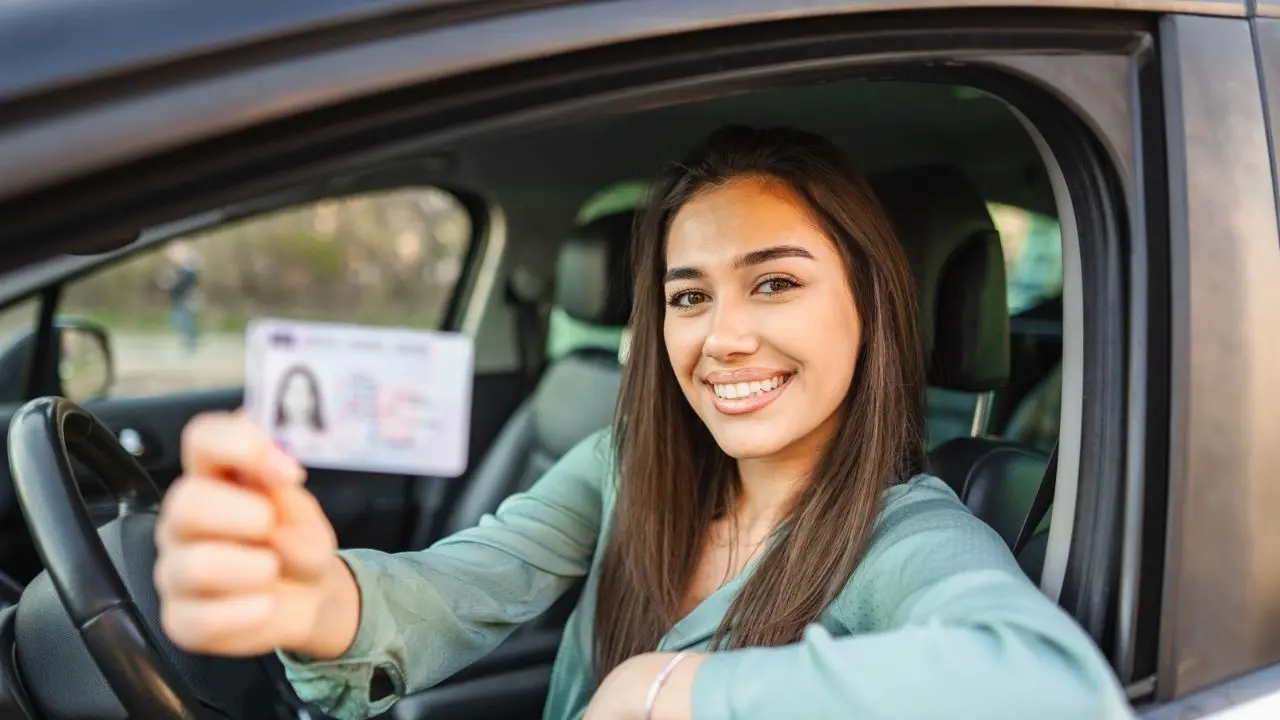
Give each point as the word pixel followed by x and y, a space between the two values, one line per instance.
pixel 1032 244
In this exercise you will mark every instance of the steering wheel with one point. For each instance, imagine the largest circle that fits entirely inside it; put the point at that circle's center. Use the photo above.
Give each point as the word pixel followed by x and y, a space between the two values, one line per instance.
pixel 97 584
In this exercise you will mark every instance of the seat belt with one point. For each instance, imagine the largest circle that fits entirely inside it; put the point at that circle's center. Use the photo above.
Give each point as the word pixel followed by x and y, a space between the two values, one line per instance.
pixel 1040 504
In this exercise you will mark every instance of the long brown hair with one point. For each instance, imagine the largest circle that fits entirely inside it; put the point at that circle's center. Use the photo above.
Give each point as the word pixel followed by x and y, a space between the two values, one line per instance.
pixel 673 479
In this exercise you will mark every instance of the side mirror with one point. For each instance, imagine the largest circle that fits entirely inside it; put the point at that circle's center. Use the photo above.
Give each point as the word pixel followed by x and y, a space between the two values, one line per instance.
pixel 85 365
pixel 85 368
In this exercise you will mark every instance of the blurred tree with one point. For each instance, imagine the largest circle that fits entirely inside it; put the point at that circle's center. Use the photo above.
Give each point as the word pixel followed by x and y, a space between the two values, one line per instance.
pixel 375 257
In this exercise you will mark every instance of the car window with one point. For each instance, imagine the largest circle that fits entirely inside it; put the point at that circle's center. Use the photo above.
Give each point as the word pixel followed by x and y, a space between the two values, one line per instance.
pixel 1032 244
pixel 176 315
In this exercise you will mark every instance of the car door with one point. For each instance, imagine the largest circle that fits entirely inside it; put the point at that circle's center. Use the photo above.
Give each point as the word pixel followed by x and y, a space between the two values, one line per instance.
pixel 1219 609
pixel 149 339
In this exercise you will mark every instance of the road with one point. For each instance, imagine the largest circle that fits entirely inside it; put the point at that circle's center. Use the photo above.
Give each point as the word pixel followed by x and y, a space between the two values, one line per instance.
pixel 154 363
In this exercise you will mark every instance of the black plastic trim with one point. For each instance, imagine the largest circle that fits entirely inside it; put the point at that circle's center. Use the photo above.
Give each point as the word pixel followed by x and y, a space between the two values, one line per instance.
pixel 1148 459
pixel 42 376
pixel 478 210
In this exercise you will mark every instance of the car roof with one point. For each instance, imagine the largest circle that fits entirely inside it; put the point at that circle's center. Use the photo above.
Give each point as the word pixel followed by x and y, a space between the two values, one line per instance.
pixel 47 45
pixel 51 44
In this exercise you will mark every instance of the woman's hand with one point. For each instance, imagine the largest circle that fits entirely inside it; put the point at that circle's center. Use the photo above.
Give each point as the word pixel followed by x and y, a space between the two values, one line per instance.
pixel 246 559
pixel 623 693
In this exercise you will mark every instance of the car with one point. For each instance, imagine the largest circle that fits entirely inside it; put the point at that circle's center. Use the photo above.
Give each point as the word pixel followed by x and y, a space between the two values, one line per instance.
pixel 1086 189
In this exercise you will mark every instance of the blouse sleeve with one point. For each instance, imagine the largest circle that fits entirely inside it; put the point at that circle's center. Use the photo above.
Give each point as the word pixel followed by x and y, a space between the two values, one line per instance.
pixel 946 626
pixel 424 615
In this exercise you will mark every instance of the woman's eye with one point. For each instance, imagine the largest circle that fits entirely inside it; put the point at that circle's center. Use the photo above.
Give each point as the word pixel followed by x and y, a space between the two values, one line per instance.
pixel 775 285
pixel 686 299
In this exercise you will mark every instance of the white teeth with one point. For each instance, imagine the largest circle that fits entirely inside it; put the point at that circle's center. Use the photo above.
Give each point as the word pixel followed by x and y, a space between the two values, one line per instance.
pixel 733 391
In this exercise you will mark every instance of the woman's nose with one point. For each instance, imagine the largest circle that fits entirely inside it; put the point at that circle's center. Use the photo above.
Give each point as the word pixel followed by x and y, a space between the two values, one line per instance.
pixel 730 332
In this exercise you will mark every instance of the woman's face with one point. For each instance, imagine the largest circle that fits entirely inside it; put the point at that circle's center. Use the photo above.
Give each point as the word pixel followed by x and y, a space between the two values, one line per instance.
pixel 299 400
pixel 761 325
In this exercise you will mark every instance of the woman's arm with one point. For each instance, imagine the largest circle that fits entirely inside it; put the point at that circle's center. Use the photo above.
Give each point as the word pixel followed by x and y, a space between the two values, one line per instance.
pixel 425 615
pixel 945 626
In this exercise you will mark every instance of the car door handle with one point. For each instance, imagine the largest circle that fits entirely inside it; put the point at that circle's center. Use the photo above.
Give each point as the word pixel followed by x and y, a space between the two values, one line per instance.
pixel 131 440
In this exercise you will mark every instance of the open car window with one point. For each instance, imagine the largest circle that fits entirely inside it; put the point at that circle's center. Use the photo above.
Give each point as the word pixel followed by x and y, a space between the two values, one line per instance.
pixel 176 314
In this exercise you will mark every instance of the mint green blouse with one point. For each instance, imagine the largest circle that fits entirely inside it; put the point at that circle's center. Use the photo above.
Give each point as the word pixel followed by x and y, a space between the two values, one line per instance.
pixel 937 622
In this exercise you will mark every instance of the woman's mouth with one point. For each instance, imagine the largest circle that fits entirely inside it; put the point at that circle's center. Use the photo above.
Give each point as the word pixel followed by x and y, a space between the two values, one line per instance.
pixel 739 398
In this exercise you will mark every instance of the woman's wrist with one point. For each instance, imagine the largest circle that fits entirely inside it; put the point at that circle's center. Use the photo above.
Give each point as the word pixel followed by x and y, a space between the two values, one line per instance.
pixel 659 680
pixel 624 693
pixel 337 617
pixel 674 699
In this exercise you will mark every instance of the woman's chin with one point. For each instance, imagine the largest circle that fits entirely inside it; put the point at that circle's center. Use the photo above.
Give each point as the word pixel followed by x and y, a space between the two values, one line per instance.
pixel 752 441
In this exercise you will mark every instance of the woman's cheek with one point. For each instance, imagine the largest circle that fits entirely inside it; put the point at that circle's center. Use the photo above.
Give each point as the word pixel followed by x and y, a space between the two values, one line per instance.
pixel 683 350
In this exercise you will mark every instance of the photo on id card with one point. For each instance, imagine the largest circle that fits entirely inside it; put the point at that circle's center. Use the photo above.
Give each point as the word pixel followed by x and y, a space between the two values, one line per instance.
pixel 360 398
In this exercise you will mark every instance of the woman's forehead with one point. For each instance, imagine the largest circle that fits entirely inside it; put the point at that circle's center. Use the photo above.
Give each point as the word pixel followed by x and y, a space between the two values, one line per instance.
pixel 745 215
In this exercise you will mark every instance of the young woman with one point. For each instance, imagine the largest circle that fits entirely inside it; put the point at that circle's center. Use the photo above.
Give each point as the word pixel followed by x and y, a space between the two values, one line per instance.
pixel 299 413
pixel 756 539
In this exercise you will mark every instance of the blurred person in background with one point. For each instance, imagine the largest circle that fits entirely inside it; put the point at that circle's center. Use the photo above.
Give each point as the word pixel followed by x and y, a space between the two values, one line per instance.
pixel 181 282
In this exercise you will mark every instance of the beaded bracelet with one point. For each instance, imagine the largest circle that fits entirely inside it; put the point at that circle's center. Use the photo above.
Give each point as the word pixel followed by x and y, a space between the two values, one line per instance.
pixel 659 681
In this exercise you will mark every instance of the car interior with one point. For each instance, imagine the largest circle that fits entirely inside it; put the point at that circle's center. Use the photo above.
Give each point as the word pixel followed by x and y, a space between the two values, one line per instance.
pixel 545 292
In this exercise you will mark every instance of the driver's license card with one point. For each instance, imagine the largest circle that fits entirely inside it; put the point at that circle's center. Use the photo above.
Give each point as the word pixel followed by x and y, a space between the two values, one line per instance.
pixel 369 399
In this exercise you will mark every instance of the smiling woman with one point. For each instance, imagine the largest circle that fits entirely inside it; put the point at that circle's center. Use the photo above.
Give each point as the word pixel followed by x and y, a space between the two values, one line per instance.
pixel 768 246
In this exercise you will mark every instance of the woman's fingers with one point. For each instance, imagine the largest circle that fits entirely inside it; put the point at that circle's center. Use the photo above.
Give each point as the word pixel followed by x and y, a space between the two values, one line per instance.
pixel 303 536
pixel 231 625
pixel 205 507
pixel 213 568
pixel 243 547
pixel 242 624
pixel 230 445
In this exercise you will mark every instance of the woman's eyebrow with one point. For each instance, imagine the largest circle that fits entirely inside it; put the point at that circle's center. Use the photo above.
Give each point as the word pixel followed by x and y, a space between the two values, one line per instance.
pixel 755 257
pixel 758 257
pixel 682 273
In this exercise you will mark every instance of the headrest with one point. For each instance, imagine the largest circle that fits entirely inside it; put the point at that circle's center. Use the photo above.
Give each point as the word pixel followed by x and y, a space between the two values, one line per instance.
pixel 593 272
pixel 954 249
